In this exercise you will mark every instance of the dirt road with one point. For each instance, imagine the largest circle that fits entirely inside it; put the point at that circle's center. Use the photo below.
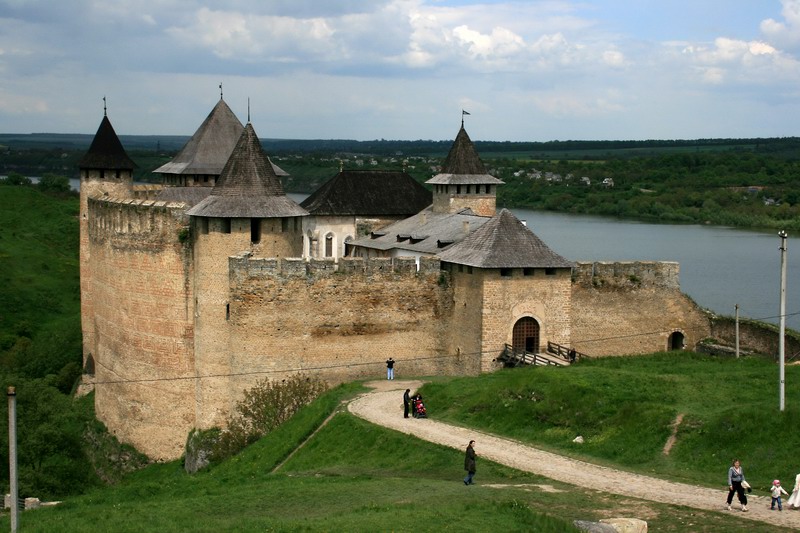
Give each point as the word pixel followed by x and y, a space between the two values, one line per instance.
pixel 383 407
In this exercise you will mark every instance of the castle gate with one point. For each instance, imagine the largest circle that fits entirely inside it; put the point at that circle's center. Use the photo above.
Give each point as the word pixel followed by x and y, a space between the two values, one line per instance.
pixel 526 335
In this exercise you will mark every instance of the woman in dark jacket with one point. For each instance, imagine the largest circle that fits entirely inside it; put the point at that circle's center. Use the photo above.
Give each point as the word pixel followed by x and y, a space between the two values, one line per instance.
pixel 469 463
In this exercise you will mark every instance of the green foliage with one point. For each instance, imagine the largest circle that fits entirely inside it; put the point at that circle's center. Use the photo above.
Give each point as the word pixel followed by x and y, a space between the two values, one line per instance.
pixel 50 182
pixel 265 407
pixel 15 178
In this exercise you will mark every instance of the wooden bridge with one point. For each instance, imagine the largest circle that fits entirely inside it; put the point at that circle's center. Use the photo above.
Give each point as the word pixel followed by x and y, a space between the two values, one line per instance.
pixel 556 355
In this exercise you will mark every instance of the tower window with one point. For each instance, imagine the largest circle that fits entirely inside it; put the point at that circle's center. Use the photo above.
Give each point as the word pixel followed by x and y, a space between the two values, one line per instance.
pixel 506 272
pixel 255 230
pixel 226 225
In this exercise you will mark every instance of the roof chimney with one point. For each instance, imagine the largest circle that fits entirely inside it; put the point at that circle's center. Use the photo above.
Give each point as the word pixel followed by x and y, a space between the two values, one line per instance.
pixel 466 226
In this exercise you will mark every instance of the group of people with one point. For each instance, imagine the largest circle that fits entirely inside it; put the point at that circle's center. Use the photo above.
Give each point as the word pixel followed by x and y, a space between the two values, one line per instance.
pixel 738 485
pixel 413 405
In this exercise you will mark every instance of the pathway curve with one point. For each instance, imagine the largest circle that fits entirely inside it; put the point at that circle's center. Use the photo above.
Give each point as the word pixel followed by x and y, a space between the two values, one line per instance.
pixel 383 406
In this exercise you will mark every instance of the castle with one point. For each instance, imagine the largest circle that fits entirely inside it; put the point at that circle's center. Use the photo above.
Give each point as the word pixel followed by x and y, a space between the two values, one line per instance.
pixel 193 290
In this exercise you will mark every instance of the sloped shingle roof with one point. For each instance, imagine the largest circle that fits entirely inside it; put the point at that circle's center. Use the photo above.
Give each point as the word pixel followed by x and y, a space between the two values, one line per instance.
pixel 426 232
pixel 211 145
pixel 463 166
pixel 248 186
pixel 187 195
pixel 106 151
pixel 503 242
pixel 369 193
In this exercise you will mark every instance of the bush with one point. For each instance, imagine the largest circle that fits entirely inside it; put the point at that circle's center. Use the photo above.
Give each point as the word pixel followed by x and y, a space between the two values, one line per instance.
pixel 264 407
pixel 54 183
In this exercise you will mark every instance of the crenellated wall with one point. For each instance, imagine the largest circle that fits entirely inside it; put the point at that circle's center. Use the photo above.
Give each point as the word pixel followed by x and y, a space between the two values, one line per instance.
pixel 141 318
pixel 340 322
pixel 632 307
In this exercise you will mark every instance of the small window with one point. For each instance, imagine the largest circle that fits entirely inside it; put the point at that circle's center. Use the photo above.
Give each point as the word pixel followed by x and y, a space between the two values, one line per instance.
pixel 203 223
pixel 469 270
pixel 549 271
pixel 227 311
pixel 506 272
pixel 458 189
pixel 255 230
pixel 226 225
pixel 461 268
pixel 328 245
pixel 527 272
pixel 284 225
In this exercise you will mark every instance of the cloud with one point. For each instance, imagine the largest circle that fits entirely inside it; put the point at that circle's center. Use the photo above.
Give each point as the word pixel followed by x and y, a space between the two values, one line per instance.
pixel 784 34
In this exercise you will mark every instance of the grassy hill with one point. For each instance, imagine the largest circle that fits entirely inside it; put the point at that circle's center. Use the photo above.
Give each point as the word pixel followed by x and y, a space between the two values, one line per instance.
pixel 353 476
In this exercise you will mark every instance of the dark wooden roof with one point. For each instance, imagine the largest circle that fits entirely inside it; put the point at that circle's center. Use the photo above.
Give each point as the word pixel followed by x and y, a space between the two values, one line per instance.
pixel 106 151
pixel 369 193
pixel 211 145
pixel 463 166
pixel 503 242
pixel 248 186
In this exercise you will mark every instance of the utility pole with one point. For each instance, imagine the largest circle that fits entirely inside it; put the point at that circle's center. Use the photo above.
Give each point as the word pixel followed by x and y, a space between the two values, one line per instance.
pixel 782 328
pixel 737 330
pixel 12 457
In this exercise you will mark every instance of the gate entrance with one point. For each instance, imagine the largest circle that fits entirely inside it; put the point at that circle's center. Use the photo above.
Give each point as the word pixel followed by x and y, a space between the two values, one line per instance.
pixel 526 335
pixel 676 340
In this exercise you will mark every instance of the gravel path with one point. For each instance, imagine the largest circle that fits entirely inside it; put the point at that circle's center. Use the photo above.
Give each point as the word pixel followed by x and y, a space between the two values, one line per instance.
pixel 383 406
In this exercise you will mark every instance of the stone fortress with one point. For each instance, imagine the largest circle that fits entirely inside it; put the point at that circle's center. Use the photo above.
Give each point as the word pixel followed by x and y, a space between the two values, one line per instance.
pixel 193 290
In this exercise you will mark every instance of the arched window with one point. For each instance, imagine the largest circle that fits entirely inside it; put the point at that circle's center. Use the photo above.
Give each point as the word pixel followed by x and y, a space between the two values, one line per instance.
pixel 526 335
pixel 347 240
pixel 329 245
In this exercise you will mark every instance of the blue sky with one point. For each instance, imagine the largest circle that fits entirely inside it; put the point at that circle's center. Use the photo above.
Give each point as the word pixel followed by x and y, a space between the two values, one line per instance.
pixel 404 69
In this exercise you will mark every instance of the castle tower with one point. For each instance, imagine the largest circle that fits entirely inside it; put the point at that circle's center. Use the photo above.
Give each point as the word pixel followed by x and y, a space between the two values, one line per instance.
pixel 246 211
pixel 464 182
pixel 201 160
pixel 510 287
pixel 105 171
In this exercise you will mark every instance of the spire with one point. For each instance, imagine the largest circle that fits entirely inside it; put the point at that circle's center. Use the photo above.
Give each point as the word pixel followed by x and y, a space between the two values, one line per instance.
pixel 248 186
pixel 463 157
pixel 106 151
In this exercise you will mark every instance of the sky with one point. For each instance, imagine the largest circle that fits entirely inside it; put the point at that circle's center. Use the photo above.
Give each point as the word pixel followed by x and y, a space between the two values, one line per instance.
pixel 535 70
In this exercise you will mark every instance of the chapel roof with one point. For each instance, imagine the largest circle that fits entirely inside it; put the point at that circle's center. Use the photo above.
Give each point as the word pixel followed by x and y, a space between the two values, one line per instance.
pixel 503 242
pixel 369 193
pixel 248 186
pixel 463 166
pixel 106 151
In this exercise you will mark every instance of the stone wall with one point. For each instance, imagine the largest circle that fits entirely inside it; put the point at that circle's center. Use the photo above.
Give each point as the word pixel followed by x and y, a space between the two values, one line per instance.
pixel 141 316
pixel 633 307
pixel 756 336
pixel 339 322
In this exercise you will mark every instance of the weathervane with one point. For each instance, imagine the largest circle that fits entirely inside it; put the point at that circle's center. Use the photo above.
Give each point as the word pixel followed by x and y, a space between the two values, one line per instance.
pixel 105 110
pixel 220 90
pixel 462 116
pixel 248 110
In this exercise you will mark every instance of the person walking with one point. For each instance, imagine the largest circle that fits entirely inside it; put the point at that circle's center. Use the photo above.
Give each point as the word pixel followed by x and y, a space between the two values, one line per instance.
pixel 776 491
pixel 406 402
pixel 390 368
pixel 794 500
pixel 735 480
pixel 469 463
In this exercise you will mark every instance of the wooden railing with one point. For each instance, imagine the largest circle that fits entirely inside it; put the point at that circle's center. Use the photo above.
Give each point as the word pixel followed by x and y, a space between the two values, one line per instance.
pixel 568 354
pixel 514 358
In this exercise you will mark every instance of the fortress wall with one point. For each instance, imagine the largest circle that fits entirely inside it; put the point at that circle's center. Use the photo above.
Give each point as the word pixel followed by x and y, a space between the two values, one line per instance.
pixel 546 298
pixel 464 336
pixel 94 184
pixel 664 274
pixel 341 324
pixel 629 308
pixel 141 290
pixel 146 192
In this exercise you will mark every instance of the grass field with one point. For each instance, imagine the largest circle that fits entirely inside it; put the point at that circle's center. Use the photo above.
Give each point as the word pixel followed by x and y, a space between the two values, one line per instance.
pixel 353 476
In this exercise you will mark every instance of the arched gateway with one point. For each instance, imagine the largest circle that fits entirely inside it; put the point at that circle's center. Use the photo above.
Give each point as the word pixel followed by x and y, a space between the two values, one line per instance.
pixel 526 335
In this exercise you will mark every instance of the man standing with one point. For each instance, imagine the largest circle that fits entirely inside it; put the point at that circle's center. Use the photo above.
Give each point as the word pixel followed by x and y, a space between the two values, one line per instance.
pixel 406 402
pixel 390 368
pixel 469 463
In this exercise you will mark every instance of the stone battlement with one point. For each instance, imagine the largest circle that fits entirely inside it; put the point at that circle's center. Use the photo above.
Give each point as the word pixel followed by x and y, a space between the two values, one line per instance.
pixel 627 274
pixel 244 266
pixel 160 222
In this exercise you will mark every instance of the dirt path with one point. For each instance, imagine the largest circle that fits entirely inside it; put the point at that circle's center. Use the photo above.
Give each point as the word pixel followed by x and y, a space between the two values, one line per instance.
pixel 383 406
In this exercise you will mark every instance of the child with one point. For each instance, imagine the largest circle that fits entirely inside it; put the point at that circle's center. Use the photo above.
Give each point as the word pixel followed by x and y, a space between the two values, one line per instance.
pixel 776 494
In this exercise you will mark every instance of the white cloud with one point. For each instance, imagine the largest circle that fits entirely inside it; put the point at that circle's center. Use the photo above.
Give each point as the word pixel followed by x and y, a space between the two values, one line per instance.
pixel 784 34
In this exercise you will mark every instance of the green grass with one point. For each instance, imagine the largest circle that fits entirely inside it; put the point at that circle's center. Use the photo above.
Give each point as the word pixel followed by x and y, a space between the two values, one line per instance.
pixel 624 408
pixel 354 476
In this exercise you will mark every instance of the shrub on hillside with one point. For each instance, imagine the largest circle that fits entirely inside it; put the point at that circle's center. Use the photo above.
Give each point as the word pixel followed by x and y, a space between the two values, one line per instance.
pixel 264 407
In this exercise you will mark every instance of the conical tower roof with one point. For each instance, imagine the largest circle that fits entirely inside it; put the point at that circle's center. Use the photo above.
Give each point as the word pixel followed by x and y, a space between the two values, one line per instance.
pixel 106 151
pixel 503 242
pixel 463 166
pixel 248 186
pixel 211 145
